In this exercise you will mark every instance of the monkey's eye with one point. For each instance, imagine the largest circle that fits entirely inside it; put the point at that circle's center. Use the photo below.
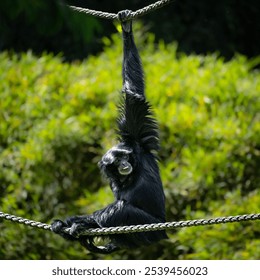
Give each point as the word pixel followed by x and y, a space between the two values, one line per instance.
pixel 117 161
pixel 125 157
pixel 121 159
pixel 125 168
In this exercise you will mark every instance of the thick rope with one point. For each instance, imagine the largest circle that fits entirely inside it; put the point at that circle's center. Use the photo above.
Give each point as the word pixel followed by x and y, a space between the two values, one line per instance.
pixel 24 221
pixel 138 228
pixel 132 15
pixel 170 225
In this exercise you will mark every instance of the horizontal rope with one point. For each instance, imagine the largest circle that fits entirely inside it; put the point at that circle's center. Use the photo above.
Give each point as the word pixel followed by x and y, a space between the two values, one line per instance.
pixel 138 228
pixel 169 225
pixel 113 16
pixel 24 221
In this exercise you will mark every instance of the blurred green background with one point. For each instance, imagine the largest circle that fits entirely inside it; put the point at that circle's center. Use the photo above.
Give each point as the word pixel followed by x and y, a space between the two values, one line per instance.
pixel 60 78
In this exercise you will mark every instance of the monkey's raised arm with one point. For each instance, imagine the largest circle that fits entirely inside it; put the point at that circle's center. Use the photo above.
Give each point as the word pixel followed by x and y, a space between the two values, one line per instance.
pixel 136 123
pixel 133 79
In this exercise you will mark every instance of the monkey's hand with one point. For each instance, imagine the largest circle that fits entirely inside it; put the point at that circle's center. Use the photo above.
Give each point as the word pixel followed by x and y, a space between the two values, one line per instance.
pixel 74 225
pixel 123 17
pixel 59 227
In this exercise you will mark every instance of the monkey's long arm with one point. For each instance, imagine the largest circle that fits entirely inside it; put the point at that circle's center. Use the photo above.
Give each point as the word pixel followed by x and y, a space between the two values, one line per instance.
pixel 136 123
pixel 133 79
pixel 115 214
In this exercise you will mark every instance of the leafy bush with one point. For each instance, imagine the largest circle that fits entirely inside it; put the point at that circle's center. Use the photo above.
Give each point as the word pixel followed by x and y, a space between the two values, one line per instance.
pixel 57 119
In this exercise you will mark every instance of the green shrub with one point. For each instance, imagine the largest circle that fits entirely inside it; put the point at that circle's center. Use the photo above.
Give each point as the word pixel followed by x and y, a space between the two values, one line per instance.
pixel 57 119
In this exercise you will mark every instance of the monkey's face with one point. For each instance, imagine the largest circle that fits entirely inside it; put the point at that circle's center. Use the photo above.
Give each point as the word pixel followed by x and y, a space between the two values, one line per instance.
pixel 117 163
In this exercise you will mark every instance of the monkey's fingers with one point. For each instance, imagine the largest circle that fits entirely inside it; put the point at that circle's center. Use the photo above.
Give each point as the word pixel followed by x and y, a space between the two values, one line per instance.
pixel 58 227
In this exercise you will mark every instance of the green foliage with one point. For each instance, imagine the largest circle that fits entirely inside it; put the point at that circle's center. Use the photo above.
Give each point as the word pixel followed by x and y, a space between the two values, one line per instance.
pixel 57 119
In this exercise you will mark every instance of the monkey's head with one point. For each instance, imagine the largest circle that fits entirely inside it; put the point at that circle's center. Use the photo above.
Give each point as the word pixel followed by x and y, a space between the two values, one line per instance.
pixel 118 163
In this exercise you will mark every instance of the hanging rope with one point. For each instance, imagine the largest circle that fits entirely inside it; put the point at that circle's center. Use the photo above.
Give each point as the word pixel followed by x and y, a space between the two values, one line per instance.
pixel 139 228
pixel 132 15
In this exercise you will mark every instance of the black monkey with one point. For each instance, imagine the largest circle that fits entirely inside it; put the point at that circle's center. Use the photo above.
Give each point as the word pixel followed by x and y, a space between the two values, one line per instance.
pixel 131 166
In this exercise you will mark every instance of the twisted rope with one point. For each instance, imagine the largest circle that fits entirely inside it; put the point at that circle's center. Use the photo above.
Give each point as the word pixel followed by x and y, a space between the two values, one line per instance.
pixel 138 228
pixel 132 15
pixel 24 221
pixel 169 225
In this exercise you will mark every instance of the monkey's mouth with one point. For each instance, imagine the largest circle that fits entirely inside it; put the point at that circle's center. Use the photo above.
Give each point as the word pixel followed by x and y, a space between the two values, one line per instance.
pixel 125 168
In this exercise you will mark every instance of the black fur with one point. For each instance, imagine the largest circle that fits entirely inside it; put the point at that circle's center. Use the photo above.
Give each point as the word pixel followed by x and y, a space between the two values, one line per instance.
pixel 131 167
